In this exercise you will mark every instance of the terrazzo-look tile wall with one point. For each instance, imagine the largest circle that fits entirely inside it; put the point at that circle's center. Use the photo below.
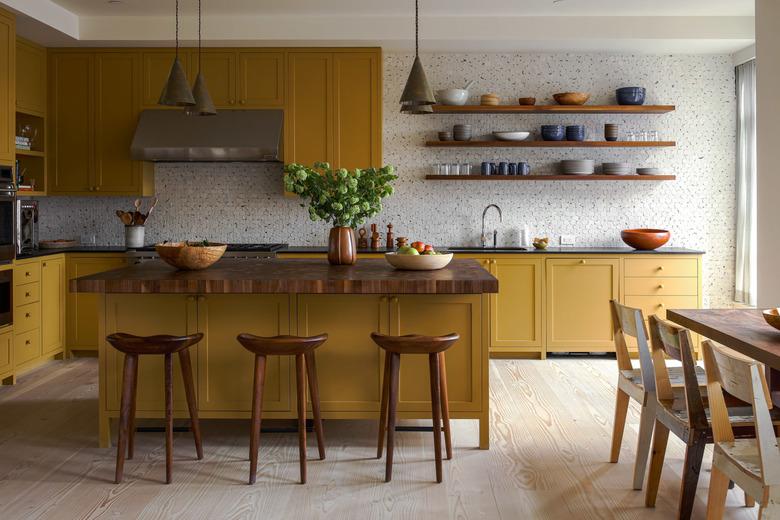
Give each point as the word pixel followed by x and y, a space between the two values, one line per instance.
pixel 244 202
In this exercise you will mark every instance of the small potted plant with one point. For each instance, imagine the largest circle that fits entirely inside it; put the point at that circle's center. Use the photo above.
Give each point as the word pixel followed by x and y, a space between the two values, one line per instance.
pixel 341 197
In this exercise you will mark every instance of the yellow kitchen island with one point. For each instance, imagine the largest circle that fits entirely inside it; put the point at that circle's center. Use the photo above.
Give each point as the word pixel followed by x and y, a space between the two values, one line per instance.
pixel 300 297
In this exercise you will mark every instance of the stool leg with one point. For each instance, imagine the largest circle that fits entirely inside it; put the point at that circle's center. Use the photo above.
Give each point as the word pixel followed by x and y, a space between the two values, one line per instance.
pixel 300 376
pixel 433 361
pixel 314 392
pixel 445 405
pixel 383 411
pixel 257 415
pixel 131 426
pixel 192 403
pixel 168 418
pixel 395 365
pixel 130 363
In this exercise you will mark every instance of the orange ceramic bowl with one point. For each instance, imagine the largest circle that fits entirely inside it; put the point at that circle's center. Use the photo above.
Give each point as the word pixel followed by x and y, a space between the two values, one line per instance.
pixel 645 239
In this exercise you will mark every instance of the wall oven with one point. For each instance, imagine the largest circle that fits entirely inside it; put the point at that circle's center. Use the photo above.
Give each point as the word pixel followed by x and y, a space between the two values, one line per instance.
pixel 6 297
pixel 7 215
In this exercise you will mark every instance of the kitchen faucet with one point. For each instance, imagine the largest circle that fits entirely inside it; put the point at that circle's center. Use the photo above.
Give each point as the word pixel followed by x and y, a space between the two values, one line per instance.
pixel 495 231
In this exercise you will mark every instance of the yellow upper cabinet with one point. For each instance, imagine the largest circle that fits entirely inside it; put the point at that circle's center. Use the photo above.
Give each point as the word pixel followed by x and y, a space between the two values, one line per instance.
pixel 260 79
pixel 155 66
pixel 308 118
pixel 7 87
pixel 219 70
pixel 30 78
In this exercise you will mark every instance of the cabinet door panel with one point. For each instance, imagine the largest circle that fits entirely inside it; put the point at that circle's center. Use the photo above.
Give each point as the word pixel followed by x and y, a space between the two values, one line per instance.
pixel 578 294
pixel 226 373
pixel 30 78
pixel 117 106
pixel 155 67
pixel 7 88
pixel 516 311
pixel 434 316
pixel 357 113
pixel 219 71
pixel 349 363
pixel 52 304
pixel 309 110
pixel 261 79
pixel 71 118
pixel 147 315
pixel 6 352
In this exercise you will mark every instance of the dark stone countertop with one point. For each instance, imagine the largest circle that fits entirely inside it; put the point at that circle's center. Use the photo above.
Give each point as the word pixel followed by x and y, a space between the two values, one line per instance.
pixel 77 249
pixel 516 250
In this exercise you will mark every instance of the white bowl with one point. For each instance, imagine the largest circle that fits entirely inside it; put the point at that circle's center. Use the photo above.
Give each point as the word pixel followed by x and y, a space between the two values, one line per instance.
pixel 452 96
pixel 418 262
pixel 511 136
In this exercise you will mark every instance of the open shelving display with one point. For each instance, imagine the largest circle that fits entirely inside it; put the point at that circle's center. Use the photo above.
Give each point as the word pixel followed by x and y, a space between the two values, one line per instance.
pixel 32 162
pixel 550 144
pixel 552 109
pixel 592 177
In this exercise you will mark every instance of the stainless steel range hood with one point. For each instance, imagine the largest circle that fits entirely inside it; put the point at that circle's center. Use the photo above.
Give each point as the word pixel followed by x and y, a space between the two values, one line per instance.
pixel 229 136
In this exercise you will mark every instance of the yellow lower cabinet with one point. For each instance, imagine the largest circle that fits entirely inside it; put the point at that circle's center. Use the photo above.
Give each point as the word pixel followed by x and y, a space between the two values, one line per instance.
pixel 516 311
pixel 578 291
pixel 27 347
pixel 52 304
pixel 82 309
pixel 438 315
pixel 225 368
pixel 6 352
pixel 657 305
pixel 349 366
pixel 147 315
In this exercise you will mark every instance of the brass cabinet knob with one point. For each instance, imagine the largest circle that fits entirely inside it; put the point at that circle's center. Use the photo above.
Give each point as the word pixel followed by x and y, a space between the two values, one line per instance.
pixel 27 342
pixel 661 305
pixel 583 261
pixel 394 299
pixel 97 188
pixel 26 314
pixel 660 268
pixel 232 102
pixel 493 261
pixel 26 295
pixel 243 101
pixel 27 273
pixel 661 286
pixel 383 299
pixel 43 264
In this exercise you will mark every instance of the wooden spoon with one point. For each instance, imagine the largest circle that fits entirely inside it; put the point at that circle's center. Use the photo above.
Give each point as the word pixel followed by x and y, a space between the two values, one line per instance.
pixel 151 208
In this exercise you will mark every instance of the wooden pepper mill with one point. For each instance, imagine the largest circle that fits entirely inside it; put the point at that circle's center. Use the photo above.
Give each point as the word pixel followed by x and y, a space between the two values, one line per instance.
pixel 375 236
pixel 400 242
pixel 362 240
pixel 389 243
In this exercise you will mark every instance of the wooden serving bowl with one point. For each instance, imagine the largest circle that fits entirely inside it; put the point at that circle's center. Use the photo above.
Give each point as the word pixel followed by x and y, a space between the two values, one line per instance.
pixel 418 262
pixel 190 256
pixel 772 317
pixel 572 98
pixel 527 101
pixel 645 239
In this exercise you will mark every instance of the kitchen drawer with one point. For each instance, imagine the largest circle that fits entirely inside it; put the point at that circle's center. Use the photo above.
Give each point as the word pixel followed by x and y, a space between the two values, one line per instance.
pixel 27 293
pixel 27 317
pixel 662 286
pixel 658 304
pixel 27 346
pixel 661 267
pixel 26 273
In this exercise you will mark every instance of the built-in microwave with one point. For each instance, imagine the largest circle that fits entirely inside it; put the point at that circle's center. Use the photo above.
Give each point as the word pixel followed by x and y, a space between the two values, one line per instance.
pixel 7 214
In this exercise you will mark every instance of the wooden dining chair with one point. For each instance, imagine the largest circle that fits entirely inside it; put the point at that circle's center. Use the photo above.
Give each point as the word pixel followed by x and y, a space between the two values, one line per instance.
pixel 753 464
pixel 683 411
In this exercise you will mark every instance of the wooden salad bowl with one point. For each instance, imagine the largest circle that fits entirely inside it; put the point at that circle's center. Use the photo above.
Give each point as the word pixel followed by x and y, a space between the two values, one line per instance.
pixel 645 239
pixel 190 256
pixel 571 98
pixel 772 317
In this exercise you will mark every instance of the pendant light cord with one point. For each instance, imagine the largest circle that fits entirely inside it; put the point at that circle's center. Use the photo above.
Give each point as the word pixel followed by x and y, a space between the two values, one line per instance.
pixel 199 45
pixel 177 29
pixel 416 28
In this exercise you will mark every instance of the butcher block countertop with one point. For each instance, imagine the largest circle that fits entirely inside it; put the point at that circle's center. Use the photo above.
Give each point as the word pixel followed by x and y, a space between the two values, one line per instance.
pixel 290 276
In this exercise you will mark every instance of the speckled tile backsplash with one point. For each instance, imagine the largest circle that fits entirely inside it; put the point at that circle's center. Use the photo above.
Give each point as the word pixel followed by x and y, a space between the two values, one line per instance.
pixel 244 202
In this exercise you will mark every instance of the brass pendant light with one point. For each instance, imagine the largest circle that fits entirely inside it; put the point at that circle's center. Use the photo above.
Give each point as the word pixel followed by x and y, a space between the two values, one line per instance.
pixel 176 92
pixel 417 97
pixel 204 106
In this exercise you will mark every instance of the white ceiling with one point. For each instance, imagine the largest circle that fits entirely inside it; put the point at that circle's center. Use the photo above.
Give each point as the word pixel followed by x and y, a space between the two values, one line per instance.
pixel 427 7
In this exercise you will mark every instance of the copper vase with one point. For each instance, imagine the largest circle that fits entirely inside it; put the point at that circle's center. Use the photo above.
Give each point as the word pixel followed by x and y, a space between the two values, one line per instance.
pixel 341 246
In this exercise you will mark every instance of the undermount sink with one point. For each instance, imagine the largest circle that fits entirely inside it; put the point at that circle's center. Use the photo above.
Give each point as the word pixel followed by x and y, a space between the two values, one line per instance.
pixel 486 249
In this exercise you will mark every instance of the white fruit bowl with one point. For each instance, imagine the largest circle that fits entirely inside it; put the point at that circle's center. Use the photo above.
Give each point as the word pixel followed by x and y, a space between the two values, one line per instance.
pixel 511 136
pixel 418 262
pixel 452 96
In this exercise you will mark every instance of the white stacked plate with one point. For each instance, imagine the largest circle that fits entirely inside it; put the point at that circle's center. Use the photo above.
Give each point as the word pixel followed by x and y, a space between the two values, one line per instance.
pixel 578 167
pixel 649 171
pixel 616 168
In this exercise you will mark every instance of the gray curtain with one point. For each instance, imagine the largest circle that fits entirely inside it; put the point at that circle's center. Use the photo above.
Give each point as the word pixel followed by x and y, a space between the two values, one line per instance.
pixel 745 283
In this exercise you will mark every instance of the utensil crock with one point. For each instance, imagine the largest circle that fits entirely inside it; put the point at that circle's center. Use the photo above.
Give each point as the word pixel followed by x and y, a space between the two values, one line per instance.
pixel 134 237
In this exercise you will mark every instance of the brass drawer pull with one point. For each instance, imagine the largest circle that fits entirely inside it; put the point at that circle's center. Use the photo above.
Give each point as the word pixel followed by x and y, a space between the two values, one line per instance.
pixel 27 342
pixel 26 295
pixel 583 261
pixel 661 286
pixel 26 314
pixel 660 268
pixel 27 273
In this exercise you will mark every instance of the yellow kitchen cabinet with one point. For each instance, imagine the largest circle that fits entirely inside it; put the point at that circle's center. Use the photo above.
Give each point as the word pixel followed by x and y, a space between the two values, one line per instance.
pixel 578 291
pixel 82 309
pixel 155 67
pixel 6 355
pixel 52 304
pixel 27 349
pixel 349 321
pixel 30 78
pixel 220 72
pixel 137 314
pixel 260 78
pixel 7 87
pixel 222 317
pixel 516 310
pixel 308 115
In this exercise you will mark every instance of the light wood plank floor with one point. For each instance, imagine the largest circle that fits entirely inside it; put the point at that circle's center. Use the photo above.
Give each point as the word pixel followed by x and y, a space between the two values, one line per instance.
pixel 551 429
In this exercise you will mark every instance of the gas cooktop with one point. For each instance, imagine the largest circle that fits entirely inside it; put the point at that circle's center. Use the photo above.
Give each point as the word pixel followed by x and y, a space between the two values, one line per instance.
pixel 244 248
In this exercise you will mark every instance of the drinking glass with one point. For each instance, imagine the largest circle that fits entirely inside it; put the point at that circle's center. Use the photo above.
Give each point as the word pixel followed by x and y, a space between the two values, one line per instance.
pixel 630 135
pixel 652 135
pixel 436 169
pixel 454 169
pixel 465 169
pixel 444 169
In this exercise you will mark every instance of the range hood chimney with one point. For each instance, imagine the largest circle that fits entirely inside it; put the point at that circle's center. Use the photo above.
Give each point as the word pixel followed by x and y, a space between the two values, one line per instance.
pixel 229 136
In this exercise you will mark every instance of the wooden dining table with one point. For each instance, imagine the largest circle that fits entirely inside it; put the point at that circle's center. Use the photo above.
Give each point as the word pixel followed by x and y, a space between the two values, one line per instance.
pixel 743 330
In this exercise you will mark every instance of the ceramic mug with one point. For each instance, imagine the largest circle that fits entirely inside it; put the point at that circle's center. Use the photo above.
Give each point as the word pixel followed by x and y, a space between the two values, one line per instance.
pixel 503 168
pixel 523 168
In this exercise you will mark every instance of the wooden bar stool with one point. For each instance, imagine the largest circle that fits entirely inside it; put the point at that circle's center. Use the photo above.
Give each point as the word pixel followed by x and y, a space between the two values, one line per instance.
pixel 305 367
pixel 132 347
pixel 434 347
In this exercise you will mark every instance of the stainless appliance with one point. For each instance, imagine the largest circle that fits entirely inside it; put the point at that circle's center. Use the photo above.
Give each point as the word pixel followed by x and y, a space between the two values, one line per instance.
pixel 237 251
pixel 6 297
pixel 26 226
pixel 7 214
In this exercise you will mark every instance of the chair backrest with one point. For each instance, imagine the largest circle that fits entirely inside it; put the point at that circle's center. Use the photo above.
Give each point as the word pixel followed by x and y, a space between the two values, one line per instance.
pixel 743 378
pixel 630 322
pixel 667 339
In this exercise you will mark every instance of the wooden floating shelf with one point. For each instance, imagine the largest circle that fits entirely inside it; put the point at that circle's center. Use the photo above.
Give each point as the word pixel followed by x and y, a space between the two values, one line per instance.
pixel 550 144
pixel 552 109
pixel 550 177
pixel 30 153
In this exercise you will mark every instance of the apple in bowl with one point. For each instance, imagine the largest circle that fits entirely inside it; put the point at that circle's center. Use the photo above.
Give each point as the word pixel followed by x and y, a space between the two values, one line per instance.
pixel 418 257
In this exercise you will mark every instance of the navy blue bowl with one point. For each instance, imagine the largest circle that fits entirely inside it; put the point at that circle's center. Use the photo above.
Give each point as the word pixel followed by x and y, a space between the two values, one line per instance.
pixel 575 133
pixel 630 96
pixel 553 132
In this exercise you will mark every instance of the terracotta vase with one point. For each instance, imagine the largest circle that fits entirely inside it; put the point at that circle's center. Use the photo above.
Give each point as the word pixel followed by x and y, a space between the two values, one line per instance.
pixel 341 246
